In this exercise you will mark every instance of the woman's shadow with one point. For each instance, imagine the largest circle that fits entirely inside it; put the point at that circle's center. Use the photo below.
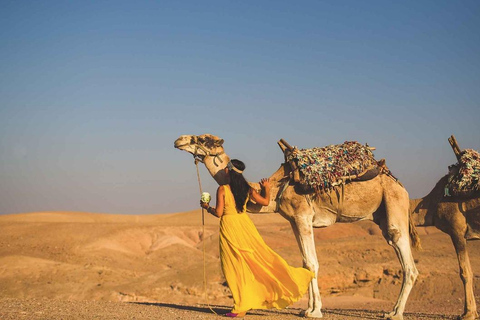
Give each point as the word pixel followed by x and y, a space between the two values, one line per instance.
pixel 222 310
pixel 203 309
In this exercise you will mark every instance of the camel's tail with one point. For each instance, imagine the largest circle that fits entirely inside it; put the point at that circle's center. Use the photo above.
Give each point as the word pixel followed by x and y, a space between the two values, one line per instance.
pixel 414 238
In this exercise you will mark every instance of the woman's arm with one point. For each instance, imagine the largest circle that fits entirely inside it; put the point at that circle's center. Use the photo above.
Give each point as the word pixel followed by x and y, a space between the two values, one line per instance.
pixel 218 210
pixel 264 201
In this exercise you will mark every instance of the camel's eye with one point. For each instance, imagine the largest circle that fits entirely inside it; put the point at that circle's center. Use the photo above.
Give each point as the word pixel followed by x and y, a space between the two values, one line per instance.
pixel 193 140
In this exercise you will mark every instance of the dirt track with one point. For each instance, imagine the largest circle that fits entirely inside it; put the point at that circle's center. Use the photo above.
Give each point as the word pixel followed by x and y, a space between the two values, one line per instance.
pixel 12 309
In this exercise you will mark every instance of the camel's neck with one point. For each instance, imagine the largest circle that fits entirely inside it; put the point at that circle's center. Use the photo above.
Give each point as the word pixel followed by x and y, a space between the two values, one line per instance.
pixel 215 166
pixel 276 183
pixel 424 208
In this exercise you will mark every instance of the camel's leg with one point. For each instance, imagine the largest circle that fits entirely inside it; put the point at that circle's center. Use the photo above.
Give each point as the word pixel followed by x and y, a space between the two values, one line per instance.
pixel 395 231
pixel 410 273
pixel 466 274
pixel 303 230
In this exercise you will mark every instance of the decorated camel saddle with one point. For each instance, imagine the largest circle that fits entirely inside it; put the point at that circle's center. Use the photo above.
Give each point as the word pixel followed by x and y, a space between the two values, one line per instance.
pixel 320 170
pixel 463 183
pixel 463 176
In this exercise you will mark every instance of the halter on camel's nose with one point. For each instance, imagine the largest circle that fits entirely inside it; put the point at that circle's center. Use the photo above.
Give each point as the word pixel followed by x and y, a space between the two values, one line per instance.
pixel 183 141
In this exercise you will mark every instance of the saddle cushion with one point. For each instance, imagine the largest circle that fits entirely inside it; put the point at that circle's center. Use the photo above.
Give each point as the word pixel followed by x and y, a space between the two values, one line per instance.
pixel 321 169
pixel 464 176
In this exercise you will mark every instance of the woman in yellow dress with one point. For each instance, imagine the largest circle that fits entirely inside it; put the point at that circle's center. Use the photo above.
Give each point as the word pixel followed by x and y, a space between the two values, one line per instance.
pixel 256 275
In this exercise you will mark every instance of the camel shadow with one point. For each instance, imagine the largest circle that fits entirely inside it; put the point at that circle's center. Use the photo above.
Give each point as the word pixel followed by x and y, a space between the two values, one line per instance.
pixel 354 313
pixel 375 314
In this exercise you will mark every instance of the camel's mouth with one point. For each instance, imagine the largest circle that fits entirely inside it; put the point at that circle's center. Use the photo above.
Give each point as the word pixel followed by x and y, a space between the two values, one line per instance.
pixel 180 146
pixel 181 143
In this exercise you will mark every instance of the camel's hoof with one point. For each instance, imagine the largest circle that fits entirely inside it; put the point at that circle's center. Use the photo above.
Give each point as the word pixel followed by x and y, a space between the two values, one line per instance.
pixel 312 313
pixel 468 316
pixel 393 316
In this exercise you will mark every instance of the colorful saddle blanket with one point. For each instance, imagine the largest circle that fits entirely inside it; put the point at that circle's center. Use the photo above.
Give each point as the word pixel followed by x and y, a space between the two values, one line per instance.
pixel 321 169
pixel 464 176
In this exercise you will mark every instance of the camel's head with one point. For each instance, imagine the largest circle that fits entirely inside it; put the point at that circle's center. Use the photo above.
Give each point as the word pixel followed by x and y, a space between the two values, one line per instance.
pixel 200 146
pixel 205 147
pixel 208 149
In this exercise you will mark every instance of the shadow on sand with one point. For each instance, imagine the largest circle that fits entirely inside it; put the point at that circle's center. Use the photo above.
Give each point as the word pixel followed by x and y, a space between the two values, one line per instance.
pixel 373 314
pixel 354 313
pixel 293 312
pixel 199 308
pixel 221 310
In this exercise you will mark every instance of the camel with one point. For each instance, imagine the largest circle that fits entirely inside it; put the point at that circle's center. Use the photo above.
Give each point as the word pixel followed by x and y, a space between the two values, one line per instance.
pixel 450 215
pixel 381 199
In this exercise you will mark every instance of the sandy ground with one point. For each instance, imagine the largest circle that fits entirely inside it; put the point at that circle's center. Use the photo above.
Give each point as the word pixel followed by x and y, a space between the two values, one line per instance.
pixel 12 309
pixel 68 265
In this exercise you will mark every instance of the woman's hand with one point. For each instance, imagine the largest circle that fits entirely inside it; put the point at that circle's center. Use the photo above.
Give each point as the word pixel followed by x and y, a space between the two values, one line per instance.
pixel 257 197
pixel 265 183
pixel 204 205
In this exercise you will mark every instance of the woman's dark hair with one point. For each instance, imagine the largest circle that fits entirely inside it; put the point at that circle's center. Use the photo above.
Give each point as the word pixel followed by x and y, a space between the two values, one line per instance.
pixel 239 186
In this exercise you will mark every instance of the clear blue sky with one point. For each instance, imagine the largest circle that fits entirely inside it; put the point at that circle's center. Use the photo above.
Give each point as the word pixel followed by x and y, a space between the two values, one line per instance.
pixel 94 93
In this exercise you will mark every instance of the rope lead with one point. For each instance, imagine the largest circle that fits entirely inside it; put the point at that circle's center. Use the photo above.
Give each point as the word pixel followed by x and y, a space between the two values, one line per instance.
pixel 203 238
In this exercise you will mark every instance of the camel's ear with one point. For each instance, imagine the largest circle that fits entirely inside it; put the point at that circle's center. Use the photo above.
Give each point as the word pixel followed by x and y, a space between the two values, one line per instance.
pixel 220 142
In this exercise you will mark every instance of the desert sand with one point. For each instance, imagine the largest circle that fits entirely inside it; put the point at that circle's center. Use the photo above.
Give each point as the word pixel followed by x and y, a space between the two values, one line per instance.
pixel 72 265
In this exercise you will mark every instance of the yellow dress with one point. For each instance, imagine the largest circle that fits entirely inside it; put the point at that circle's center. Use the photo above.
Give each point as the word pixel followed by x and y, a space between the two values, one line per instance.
pixel 256 275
